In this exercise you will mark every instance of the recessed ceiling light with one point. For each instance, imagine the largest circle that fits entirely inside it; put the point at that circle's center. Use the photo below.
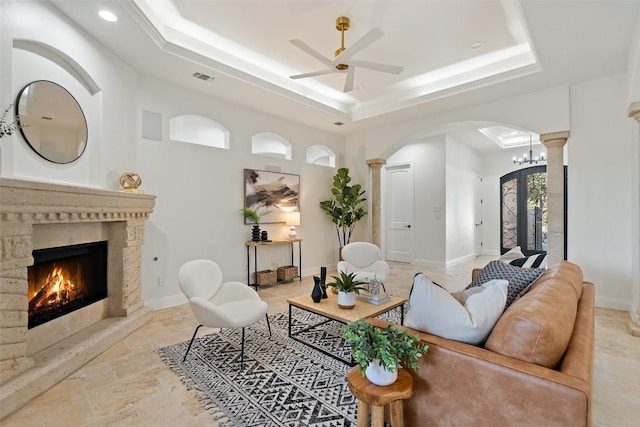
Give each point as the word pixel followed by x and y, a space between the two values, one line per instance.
pixel 475 46
pixel 107 15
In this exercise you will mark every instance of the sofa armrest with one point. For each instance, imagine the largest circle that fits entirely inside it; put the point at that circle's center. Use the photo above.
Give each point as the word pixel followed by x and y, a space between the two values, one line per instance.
pixel 460 384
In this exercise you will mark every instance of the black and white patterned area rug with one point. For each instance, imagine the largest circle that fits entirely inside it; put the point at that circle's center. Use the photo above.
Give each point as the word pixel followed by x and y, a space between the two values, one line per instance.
pixel 283 382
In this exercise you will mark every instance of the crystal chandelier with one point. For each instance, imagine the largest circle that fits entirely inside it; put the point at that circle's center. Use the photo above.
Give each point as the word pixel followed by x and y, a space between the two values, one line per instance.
pixel 529 158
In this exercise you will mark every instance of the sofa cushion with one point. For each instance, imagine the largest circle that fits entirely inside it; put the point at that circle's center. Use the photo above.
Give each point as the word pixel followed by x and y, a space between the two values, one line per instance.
pixel 435 311
pixel 511 254
pixel 538 326
pixel 519 278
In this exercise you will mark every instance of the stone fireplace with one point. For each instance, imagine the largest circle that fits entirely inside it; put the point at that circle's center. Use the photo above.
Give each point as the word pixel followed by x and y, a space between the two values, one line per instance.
pixel 36 216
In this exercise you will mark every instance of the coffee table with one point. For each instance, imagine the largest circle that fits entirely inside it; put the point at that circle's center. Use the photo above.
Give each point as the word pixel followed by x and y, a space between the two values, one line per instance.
pixel 328 308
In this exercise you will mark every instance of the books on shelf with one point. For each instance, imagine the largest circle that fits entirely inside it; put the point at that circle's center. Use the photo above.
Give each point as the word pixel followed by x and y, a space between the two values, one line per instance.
pixel 376 299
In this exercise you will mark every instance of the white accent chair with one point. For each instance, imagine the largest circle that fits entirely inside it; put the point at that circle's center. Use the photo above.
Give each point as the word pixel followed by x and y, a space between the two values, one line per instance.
pixel 364 259
pixel 219 305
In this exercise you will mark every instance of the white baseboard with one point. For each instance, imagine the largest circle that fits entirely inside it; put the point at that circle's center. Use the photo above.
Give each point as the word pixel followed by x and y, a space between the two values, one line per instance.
pixel 166 302
pixel 460 260
pixel 428 263
pixel 490 252
pixel 613 303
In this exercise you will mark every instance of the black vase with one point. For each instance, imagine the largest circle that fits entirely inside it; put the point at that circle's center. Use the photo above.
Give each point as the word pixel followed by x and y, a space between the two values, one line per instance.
pixel 264 235
pixel 316 294
pixel 323 280
pixel 255 233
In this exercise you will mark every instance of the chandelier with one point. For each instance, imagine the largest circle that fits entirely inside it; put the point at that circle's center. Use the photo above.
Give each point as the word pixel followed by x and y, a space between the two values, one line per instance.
pixel 529 159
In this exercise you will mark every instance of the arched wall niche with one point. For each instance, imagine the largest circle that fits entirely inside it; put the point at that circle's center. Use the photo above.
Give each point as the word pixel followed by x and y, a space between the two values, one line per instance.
pixel 32 61
pixel 321 156
pixel 270 145
pixel 60 58
pixel 196 129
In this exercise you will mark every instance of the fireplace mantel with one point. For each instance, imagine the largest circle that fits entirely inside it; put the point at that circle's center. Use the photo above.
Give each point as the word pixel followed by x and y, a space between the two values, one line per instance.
pixel 35 215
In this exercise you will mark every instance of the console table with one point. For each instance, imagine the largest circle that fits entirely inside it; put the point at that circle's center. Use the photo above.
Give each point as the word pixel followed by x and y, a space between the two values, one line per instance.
pixel 256 244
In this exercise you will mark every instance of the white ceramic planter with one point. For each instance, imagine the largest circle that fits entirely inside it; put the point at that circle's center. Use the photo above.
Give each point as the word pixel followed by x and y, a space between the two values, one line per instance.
pixel 346 300
pixel 378 375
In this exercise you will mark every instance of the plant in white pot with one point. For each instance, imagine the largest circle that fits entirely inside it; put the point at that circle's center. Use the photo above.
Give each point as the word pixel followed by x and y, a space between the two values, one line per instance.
pixel 380 352
pixel 348 287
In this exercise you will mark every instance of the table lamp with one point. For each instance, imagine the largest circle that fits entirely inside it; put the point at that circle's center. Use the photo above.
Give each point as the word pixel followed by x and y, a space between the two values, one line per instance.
pixel 293 219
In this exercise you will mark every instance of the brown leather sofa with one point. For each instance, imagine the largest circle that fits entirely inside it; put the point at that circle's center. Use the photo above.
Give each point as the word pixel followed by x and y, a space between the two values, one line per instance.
pixel 535 369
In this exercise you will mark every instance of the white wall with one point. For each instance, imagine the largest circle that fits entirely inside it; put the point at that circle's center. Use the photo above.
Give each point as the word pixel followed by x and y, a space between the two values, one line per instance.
pixel 110 112
pixel 633 67
pixel 200 191
pixel 462 167
pixel 600 184
pixel 633 91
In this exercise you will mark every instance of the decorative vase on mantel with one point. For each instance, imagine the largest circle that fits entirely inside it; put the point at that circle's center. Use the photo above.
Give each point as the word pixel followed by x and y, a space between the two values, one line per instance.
pixel 255 233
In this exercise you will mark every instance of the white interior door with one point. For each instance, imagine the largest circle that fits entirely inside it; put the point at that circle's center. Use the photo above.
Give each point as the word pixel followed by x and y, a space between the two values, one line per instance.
pixel 399 212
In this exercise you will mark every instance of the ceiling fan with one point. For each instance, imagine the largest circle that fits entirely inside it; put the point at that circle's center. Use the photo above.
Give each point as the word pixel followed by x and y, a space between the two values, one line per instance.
pixel 342 63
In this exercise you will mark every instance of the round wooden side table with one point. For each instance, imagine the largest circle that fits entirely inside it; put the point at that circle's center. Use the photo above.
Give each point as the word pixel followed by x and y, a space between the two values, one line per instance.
pixel 373 398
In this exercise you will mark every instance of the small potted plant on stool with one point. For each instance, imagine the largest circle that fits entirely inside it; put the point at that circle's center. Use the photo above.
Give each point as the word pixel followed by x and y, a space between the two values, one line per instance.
pixel 380 352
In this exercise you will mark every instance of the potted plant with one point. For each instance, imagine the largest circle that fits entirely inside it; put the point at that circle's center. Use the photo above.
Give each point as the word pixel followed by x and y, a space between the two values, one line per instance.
pixel 7 128
pixel 254 216
pixel 347 287
pixel 346 206
pixel 380 352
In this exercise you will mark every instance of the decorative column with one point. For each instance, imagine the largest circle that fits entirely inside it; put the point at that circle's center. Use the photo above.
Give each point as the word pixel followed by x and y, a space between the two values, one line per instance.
pixel 634 111
pixel 554 142
pixel 375 165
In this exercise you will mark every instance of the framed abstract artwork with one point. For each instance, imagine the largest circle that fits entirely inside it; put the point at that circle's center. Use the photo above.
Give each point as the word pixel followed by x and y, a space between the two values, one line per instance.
pixel 275 192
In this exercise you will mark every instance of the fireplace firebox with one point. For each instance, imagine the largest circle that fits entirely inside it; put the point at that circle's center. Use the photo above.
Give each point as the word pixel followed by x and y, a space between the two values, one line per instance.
pixel 65 279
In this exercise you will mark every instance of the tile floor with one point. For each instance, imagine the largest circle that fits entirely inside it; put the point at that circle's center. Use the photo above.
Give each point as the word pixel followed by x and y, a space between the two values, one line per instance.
pixel 129 386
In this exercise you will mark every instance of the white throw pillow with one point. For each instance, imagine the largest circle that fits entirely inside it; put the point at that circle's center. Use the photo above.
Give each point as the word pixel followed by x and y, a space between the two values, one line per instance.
pixel 512 254
pixel 435 311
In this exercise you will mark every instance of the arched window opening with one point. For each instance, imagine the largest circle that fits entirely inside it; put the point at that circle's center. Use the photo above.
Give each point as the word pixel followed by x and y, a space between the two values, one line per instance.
pixel 321 156
pixel 270 145
pixel 199 130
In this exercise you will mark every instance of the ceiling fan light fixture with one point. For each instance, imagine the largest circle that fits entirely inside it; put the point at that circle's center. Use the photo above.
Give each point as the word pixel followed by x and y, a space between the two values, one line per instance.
pixel 342 61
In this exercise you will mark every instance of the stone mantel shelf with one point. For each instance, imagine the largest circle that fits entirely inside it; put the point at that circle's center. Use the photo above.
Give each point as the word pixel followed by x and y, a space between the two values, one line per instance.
pixel 43 202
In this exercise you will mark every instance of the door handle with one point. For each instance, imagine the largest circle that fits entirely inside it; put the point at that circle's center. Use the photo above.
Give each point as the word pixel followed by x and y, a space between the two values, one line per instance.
pixel 408 226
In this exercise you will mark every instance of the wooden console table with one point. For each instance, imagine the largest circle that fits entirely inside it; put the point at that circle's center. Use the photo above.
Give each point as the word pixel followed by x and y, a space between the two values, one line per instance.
pixel 255 244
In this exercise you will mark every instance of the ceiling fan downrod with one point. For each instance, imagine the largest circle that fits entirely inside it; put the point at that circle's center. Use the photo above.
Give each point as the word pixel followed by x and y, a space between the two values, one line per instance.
pixel 342 25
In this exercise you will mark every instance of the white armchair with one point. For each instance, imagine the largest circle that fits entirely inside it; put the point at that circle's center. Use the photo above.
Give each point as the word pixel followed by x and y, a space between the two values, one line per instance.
pixel 363 259
pixel 216 304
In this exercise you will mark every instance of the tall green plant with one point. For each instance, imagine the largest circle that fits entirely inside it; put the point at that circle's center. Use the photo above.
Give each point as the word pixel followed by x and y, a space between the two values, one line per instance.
pixel 346 206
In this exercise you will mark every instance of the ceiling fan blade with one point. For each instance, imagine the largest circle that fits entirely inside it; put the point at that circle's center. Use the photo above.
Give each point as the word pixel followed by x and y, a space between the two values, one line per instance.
pixel 348 84
pixel 385 68
pixel 369 37
pixel 314 73
pixel 311 51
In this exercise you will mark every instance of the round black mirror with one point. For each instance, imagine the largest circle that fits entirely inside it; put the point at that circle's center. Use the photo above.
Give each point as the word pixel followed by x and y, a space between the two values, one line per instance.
pixel 54 125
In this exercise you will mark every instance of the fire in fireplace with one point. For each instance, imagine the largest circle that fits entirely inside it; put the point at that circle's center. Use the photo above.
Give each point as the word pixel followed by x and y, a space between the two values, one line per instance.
pixel 65 279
